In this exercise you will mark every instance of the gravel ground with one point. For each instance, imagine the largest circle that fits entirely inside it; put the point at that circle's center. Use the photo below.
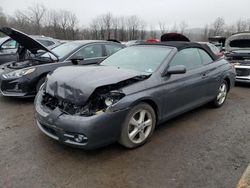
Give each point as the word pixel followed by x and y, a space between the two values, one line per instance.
pixel 205 148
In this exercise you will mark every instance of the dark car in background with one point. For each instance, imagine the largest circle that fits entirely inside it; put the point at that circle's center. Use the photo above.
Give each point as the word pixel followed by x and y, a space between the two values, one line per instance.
pixel 23 78
pixel 124 97
pixel 10 49
pixel 218 41
pixel 238 53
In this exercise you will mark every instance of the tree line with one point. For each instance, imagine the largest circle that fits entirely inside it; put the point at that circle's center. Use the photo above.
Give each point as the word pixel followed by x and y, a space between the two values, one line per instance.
pixel 63 24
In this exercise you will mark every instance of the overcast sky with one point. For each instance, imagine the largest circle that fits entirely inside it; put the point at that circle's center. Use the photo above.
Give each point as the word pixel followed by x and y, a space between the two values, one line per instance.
pixel 196 13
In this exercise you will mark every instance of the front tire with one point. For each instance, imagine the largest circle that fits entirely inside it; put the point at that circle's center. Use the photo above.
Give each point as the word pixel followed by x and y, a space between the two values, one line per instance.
pixel 139 126
pixel 221 95
pixel 40 83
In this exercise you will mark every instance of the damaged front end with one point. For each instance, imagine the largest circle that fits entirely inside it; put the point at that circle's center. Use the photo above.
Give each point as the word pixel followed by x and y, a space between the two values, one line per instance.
pixel 99 101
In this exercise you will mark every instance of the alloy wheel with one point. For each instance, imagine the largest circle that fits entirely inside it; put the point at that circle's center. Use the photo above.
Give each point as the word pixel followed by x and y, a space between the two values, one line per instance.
pixel 221 97
pixel 140 126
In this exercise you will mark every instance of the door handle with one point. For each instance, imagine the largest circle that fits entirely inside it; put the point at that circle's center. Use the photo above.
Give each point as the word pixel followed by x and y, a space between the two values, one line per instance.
pixel 204 75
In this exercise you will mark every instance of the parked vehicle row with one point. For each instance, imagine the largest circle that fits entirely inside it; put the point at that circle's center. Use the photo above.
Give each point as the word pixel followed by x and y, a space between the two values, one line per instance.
pixel 122 93
pixel 11 50
pixel 24 78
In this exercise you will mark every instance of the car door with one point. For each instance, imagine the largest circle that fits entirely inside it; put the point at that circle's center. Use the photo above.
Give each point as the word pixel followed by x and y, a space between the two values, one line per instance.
pixel 184 91
pixel 8 51
pixel 211 74
pixel 92 54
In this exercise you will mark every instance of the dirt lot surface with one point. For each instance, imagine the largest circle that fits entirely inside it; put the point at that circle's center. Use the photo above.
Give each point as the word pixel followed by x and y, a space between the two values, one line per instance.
pixel 205 148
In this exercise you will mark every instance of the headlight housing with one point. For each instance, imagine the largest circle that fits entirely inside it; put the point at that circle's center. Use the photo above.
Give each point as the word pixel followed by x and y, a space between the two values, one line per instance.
pixel 18 73
pixel 113 97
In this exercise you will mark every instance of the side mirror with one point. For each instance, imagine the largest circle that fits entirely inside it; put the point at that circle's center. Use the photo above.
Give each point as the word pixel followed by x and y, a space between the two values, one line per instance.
pixel 178 69
pixel 76 59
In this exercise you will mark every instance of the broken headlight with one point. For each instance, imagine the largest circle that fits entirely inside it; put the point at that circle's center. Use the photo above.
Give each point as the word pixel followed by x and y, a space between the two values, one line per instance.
pixel 18 73
pixel 113 97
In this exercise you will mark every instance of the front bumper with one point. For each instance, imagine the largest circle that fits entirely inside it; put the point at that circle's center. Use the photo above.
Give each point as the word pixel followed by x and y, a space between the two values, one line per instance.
pixel 96 131
pixel 243 74
pixel 21 87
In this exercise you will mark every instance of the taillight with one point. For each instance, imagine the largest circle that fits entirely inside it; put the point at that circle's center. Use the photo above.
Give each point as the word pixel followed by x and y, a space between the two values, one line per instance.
pixel 220 54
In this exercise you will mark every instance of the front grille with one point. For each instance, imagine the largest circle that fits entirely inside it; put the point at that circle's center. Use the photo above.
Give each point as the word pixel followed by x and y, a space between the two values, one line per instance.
pixel 65 106
pixel 49 130
pixel 242 72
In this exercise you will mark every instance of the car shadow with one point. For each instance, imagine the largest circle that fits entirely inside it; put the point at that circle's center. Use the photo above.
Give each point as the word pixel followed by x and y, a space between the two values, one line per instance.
pixel 239 84
pixel 14 100
pixel 116 149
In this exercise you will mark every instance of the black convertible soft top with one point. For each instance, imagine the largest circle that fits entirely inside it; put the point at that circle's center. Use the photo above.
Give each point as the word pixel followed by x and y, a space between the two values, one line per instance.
pixel 182 45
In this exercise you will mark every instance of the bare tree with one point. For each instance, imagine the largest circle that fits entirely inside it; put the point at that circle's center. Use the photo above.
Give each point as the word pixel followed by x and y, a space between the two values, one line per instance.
pixel 133 25
pixel 241 25
pixel 115 25
pixel 3 20
pixel 205 33
pixel 72 26
pixel 51 24
pixel 248 24
pixel 218 26
pixel 163 28
pixel 152 32
pixel 122 29
pixel 183 26
pixel 36 15
pixel 107 23
pixel 174 28
pixel 21 21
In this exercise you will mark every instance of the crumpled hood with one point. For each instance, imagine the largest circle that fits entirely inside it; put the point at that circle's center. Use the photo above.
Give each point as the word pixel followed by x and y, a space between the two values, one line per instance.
pixel 77 83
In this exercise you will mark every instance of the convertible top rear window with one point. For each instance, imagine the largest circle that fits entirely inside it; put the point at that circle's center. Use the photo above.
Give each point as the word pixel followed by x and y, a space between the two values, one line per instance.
pixel 240 43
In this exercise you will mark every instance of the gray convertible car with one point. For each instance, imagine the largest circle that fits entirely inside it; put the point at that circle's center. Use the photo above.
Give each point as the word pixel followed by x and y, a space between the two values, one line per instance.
pixel 124 97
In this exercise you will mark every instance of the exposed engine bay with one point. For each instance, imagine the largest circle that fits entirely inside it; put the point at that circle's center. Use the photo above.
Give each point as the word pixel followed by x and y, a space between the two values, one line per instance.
pixel 99 101
pixel 30 62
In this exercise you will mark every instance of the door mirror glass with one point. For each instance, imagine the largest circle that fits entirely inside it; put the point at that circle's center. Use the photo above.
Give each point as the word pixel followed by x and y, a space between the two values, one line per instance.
pixel 76 59
pixel 177 69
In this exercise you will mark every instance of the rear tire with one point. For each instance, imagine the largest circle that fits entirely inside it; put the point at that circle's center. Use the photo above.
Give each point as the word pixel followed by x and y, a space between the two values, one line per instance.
pixel 221 95
pixel 138 126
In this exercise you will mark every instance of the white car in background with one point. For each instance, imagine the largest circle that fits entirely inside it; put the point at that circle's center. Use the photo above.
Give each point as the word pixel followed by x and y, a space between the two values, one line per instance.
pixel 238 53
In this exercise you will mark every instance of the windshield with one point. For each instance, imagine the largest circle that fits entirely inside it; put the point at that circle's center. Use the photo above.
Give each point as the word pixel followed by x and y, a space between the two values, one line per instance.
pixel 63 50
pixel 139 58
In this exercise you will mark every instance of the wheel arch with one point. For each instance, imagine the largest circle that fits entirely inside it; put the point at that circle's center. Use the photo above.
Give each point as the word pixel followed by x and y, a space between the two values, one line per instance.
pixel 150 102
pixel 41 76
pixel 227 79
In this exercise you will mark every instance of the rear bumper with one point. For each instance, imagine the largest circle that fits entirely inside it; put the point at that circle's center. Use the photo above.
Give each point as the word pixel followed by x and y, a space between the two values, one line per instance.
pixel 96 131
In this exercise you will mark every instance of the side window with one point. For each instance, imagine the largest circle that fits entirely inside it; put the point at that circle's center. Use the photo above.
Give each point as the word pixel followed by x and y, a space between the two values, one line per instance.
pixel 111 49
pixel 10 44
pixel 188 57
pixel 92 51
pixel 206 59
